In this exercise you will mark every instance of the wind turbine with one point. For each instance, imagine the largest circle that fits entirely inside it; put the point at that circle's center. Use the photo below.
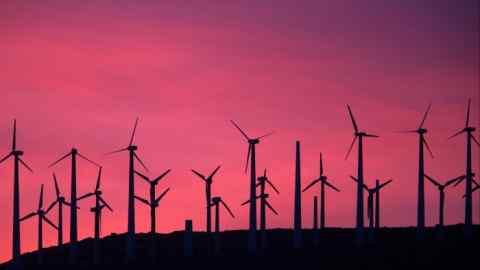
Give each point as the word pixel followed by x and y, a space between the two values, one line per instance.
pixel 252 232
pixel 16 154
pixel 60 200
pixel 131 148
pixel 370 207
pixel 153 203
pixel 323 180
pixel 100 203
pixel 41 214
pixel 468 130
pixel 441 189
pixel 208 192
pixel 360 135
pixel 216 201
pixel 73 199
pixel 262 182
pixel 421 131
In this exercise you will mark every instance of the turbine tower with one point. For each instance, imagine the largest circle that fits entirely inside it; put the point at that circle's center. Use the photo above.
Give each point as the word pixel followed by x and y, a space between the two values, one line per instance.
pixel 252 231
pixel 297 206
pixel 41 214
pixel 73 199
pixel 153 203
pixel 60 200
pixel 208 192
pixel 360 135
pixel 421 131
pixel 264 204
pixel 216 201
pixel 100 203
pixel 323 180
pixel 468 130
pixel 370 206
pixel 17 160
pixel 441 190
pixel 131 148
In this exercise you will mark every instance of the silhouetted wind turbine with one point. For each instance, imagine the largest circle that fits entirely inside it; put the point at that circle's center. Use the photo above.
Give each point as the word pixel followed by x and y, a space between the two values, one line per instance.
pixel 100 203
pixel 153 203
pixel 359 227
pixel 216 201
pixel 60 200
pixel 441 189
pixel 421 174
pixel 370 207
pixel 262 182
pixel 41 217
pixel 73 199
pixel 323 180
pixel 208 192
pixel 16 192
pixel 252 232
pixel 468 130
pixel 131 148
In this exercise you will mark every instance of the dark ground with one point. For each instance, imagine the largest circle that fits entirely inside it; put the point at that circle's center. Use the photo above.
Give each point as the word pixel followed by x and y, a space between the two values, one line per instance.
pixel 394 248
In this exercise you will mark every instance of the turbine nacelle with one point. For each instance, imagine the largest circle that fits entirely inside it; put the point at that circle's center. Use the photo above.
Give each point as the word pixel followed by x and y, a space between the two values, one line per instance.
pixel 216 200
pixel 421 131
pixel 253 141
pixel 132 148
pixel 17 153
pixel 74 151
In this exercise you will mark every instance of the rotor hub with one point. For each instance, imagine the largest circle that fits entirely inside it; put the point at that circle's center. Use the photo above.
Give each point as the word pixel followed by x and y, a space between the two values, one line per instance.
pixel 132 148
pixel 74 151
pixel 17 153
pixel 422 131
pixel 253 141
pixel 216 200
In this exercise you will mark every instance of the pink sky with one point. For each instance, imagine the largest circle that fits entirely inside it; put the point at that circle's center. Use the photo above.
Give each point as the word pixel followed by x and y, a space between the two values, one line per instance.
pixel 78 75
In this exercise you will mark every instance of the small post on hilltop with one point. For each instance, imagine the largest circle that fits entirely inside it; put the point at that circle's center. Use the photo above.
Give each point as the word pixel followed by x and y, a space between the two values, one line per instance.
pixel 188 241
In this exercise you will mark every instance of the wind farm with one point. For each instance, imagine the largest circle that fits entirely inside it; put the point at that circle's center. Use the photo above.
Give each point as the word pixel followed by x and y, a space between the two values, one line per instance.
pixel 255 134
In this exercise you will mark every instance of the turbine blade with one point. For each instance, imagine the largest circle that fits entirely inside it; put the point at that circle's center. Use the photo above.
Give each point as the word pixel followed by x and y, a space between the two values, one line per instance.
pixel 142 200
pixel 105 203
pixel 49 222
pixel 51 206
pixel 199 175
pixel 133 133
pixel 5 158
pixel 384 184
pixel 425 116
pixel 25 164
pixel 140 161
pixel 371 136
pixel 57 190
pixel 468 113
pixel 356 180
pixel 142 176
pixel 310 185
pixel 407 131
pixel 355 127
pixel 89 160
pixel 14 142
pixel 321 164
pixel 456 179
pixel 40 202
pixel 460 179
pixel 28 216
pixel 248 157
pixel 99 177
pixel 161 176
pixel 433 180
pixel 85 196
pixel 428 147
pixel 228 209
pixel 272 186
pixel 117 151
pixel 246 202
pixel 456 134
pixel 214 172
pixel 239 129
pixel 60 159
pixel 351 147
pixel 265 173
pixel 271 207
pixel 475 140
pixel 331 186
pixel 266 135
pixel 162 195
pixel 475 188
